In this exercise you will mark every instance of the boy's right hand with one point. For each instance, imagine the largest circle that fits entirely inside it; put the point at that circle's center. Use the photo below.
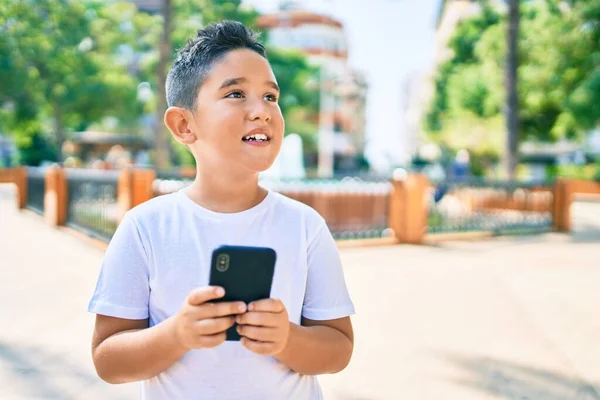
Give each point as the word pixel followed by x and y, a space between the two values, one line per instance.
pixel 201 324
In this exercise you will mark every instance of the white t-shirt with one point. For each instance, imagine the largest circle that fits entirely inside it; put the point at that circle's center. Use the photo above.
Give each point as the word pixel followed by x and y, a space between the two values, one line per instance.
pixel 162 250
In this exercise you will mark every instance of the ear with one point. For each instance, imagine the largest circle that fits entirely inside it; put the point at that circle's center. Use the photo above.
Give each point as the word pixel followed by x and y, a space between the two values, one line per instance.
pixel 180 122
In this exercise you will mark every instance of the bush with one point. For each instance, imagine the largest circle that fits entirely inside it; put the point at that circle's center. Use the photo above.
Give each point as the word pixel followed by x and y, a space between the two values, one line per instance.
pixel 587 172
pixel 36 149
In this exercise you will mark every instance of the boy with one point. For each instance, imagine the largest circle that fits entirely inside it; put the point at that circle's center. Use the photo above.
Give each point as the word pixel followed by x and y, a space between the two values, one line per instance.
pixel 154 322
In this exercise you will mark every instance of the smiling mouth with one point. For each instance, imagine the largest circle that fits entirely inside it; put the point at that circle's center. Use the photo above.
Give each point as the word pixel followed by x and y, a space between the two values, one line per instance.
pixel 256 137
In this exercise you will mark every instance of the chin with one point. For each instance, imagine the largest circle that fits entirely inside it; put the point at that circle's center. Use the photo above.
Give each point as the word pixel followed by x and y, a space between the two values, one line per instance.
pixel 262 168
pixel 258 167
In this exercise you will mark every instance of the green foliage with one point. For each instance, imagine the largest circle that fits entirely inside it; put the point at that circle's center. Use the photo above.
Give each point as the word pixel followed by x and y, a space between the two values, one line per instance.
pixel 483 161
pixel 558 77
pixel 58 66
pixel 468 34
pixel 68 65
pixel 453 90
pixel 35 149
pixel 573 172
pixel 585 172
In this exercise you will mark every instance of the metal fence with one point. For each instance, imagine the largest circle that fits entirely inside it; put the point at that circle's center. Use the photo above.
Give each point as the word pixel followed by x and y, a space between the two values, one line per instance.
pixel 356 208
pixel 36 186
pixel 92 205
pixel 353 208
pixel 498 207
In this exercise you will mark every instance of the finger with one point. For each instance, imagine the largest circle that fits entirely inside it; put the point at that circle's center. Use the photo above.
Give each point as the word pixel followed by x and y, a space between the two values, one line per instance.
pixel 214 325
pixel 209 341
pixel 265 319
pixel 264 348
pixel 267 305
pixel 260 334
pixel 215 310
pixel 204 294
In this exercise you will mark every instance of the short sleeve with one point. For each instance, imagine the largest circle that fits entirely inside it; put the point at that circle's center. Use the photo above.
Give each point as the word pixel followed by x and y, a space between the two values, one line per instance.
pixel 122 289
pixel 326 295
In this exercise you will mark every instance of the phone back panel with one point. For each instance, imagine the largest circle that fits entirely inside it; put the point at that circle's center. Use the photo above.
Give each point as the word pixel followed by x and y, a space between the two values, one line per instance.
pixel 247 275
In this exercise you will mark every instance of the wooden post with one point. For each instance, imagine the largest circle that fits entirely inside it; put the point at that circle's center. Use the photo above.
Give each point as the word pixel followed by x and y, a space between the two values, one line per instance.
pixel 561 210
pixel 125 192
pixel 556 204
pixel 55 196
pixel 408 212
pixel 142 189
pixel 18 177
pixel 20 180
pixel 7 175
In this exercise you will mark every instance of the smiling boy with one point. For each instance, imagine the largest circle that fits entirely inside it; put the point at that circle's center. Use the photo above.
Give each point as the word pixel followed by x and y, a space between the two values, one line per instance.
pixel 155 322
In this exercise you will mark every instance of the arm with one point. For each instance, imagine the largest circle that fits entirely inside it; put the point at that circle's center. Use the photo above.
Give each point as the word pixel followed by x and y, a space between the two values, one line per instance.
pixel 124 348
pixel 324 341
pixel 127 350
pixel 318 347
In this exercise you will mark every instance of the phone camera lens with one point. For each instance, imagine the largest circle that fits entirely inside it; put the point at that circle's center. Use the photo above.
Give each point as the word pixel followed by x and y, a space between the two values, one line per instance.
pixel 223 263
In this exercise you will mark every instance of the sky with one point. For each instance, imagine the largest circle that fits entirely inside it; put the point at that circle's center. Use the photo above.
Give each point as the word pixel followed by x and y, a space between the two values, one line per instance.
pixel 389 40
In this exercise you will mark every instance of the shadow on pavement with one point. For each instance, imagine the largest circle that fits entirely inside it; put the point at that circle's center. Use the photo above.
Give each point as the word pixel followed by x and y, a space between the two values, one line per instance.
pixel 41 373
pixel 586 236
pixel 585 224
pixel 512 381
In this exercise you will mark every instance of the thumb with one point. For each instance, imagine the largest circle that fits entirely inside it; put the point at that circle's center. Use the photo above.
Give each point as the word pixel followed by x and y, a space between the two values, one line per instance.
pixel 202 295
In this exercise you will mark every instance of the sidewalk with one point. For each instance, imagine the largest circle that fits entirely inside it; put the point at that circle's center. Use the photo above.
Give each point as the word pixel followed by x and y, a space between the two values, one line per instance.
pixel 508 318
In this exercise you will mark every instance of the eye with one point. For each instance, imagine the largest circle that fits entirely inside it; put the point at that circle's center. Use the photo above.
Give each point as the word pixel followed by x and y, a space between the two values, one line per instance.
pixel 271 97
pixel 236 94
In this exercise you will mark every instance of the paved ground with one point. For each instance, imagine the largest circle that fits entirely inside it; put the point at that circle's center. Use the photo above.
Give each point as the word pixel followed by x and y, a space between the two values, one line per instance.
pixel 510 318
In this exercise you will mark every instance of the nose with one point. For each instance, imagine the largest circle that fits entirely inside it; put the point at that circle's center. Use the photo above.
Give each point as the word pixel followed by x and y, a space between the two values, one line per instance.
pixel 259 111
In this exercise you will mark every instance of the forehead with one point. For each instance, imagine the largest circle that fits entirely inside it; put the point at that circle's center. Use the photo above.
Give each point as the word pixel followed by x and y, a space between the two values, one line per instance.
pixel 240 63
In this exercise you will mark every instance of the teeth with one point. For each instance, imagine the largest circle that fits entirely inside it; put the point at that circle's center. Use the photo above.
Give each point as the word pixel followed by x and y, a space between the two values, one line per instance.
pixel 257 136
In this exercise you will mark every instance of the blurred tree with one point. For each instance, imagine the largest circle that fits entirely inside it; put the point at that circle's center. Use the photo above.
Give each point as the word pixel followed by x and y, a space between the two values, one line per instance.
pixel 36 148
pixel 463 45
pixel 68 65
pixel 161 135
pixel 59 64
pixel 558 75
pixel 512 95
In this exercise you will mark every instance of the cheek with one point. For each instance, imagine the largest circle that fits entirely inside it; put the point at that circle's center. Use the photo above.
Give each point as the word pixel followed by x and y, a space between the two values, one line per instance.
pixel 220 117
pixel 278 124
pixel 220 126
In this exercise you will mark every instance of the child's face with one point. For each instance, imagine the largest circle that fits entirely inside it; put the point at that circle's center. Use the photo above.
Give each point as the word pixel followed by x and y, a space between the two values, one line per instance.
pixel 238 98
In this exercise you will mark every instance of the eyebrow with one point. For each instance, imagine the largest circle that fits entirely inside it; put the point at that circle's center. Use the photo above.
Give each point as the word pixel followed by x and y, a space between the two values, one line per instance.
pixel 238 81
pixel 273 85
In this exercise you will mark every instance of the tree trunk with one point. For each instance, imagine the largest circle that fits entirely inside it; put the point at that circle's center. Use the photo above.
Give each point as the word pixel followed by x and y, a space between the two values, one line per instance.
pixel 59 131
pixel 512 99
pixel 161 138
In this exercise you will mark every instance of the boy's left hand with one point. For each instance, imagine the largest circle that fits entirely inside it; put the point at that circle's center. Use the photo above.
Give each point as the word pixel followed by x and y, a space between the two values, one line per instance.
pixel 265 327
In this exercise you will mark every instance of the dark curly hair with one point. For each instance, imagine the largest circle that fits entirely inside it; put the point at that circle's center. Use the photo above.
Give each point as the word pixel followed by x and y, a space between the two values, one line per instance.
pixel 196 59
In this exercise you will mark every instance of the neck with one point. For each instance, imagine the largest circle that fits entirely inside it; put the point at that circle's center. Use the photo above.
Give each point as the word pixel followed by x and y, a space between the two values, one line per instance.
pixel 225 193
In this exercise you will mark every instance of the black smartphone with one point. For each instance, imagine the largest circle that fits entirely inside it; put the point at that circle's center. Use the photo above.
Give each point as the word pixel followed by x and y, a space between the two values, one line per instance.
pixel 246 274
